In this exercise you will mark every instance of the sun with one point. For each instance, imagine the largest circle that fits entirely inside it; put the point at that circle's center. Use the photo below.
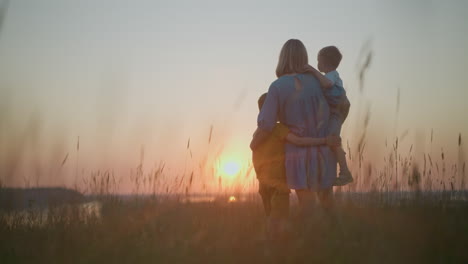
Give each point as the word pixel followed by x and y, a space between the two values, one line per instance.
pixel 231 168
pixel 232 199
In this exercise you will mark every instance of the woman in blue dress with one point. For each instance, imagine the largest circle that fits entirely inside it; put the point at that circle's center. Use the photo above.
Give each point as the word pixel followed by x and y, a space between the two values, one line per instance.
pixel 296 100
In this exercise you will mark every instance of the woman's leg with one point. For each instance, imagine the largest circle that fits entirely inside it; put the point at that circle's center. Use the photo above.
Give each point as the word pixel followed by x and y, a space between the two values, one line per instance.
pixel 306 200
pixel 328 205
pixel 326 198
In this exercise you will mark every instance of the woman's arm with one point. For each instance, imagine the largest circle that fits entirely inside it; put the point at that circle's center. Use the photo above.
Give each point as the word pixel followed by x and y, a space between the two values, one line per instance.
pixel 324 81
pixel 331 141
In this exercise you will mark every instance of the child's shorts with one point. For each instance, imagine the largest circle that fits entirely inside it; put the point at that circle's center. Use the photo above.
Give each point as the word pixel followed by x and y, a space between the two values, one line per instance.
pixel 334 124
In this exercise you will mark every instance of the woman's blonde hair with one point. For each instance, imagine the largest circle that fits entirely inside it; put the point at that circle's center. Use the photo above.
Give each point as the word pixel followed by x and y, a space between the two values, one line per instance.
pixel 292 59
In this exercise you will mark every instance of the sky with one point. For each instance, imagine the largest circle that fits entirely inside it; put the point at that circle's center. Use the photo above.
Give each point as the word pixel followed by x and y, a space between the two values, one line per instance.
pixel 133 77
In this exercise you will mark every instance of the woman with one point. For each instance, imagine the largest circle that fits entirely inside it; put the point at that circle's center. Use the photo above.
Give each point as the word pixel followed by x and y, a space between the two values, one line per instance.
pixel 296 100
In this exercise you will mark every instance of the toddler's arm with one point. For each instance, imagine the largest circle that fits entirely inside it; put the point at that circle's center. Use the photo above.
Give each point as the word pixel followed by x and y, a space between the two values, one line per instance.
pixel 332 141
pixel 324 81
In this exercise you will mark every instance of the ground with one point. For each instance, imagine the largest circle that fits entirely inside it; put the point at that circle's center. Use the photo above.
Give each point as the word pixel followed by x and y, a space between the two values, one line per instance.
pixel 155 231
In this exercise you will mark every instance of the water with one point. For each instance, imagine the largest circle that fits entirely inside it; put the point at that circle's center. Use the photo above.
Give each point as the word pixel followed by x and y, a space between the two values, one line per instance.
pixel 42 216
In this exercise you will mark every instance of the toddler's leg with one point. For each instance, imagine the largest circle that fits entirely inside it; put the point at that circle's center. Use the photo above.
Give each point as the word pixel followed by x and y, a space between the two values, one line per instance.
pixel 336 121
pixel 345 174
pixel 341 158
pixel 334 128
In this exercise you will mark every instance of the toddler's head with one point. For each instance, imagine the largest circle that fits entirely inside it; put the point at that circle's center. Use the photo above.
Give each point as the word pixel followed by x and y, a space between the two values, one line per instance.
pixel 329 59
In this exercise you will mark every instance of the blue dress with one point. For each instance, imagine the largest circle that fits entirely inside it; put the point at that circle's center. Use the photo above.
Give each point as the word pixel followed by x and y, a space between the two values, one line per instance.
pixel 304 110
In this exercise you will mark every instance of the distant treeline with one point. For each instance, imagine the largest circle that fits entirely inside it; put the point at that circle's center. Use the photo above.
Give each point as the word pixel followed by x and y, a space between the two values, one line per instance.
pixel 22 198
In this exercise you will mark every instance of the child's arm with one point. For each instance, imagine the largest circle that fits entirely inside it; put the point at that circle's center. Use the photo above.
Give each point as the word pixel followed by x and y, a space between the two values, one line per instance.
pixel 258 138
pixel 324 81
pixel 308 141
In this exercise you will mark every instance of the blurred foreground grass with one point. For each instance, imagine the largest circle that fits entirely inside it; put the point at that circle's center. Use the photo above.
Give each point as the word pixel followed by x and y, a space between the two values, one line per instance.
pixel 155 231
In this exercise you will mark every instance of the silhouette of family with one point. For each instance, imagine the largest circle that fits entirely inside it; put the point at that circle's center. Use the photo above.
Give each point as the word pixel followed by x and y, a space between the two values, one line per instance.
pixel 297 142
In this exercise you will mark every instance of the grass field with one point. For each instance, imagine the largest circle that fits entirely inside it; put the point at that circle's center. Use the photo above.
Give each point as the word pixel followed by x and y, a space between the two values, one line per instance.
pixel 146 230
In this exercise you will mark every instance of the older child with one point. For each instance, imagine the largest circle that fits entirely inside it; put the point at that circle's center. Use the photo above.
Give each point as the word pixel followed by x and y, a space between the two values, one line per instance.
pixel 329 59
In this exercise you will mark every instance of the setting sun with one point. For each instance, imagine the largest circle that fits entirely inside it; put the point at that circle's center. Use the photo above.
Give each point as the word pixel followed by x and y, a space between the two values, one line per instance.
pixel 231 168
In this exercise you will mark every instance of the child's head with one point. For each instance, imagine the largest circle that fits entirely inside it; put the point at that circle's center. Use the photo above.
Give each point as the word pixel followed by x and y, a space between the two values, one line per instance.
pixel 328 59
pixel 261 100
